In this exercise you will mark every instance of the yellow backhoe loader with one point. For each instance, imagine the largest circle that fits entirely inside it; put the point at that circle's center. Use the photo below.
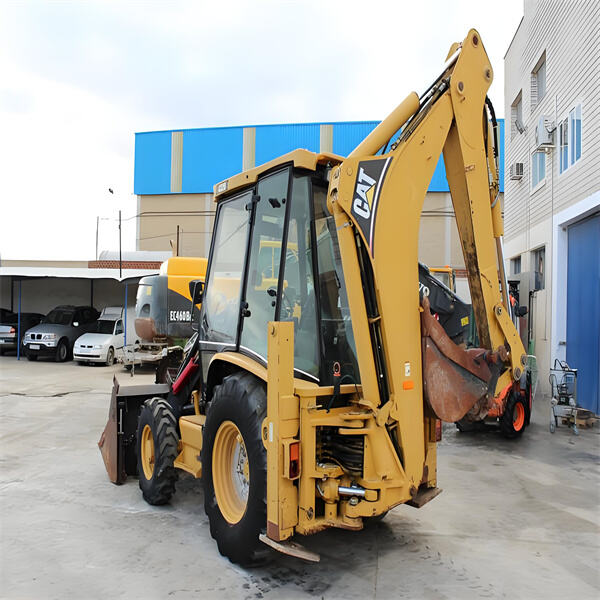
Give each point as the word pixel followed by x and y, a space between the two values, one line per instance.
pixel 314 400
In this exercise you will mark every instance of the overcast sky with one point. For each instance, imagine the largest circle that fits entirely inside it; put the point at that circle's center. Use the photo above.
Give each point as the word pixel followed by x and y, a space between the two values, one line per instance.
pixel 80 78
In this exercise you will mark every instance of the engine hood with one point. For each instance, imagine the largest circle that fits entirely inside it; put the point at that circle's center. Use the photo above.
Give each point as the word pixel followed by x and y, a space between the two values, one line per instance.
pixel 51 328
pixel 90 339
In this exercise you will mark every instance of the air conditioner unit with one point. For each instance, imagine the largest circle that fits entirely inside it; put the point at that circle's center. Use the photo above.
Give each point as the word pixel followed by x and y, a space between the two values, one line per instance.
pixel 516 171
pixel 544 130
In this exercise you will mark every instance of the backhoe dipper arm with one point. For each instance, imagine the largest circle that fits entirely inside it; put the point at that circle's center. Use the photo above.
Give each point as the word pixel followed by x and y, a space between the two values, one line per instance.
pixel 377 200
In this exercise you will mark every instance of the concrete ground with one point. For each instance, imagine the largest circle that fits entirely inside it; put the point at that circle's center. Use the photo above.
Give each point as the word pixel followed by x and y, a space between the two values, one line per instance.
pixel 517 519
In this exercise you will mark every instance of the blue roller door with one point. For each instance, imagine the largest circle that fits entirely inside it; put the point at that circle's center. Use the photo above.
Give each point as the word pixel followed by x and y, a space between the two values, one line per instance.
pixel 583 310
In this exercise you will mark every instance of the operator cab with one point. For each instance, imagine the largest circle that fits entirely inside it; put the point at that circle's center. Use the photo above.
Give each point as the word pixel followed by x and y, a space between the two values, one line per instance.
pixel 275 257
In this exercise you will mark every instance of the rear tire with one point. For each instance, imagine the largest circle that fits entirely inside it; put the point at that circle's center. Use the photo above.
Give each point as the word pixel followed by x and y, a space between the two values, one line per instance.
pixel 235 475
pixel 156 451
pixel 514 418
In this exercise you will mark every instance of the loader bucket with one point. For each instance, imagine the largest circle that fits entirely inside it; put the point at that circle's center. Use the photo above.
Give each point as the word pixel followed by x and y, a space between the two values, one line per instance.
pixel 109 440
pixel 455 381
pixel 117 442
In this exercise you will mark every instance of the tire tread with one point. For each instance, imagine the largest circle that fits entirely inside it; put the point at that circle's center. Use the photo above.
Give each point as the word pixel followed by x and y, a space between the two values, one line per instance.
pixel 506 420
pixel 161 487
pixel 241 398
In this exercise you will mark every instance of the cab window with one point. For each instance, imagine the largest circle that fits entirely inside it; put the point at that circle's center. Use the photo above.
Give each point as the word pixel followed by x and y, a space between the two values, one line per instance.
pixel 335 321
pixel 221 304
pixel 298 302
pixel 264 261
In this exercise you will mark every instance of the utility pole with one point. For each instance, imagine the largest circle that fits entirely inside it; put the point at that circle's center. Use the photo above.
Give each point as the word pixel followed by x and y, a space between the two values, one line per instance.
pixel 120 255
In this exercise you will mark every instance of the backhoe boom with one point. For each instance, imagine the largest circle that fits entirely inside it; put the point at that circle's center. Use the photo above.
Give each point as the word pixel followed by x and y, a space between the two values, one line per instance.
pixel 377 200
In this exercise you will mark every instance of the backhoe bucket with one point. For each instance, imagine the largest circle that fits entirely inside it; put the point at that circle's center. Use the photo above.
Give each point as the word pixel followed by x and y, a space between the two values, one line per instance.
pixel 117 442
pixel 456 381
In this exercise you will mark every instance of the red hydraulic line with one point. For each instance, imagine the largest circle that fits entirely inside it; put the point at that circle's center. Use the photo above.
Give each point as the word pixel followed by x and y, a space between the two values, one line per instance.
pixel 190 368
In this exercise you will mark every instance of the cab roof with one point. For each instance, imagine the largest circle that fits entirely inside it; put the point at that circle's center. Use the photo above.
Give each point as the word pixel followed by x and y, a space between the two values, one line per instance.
pixel 304 159
pixel 184 265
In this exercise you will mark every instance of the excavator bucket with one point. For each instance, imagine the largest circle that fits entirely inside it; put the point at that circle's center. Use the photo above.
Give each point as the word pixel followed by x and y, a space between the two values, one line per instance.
pixel 456 381
pixel 117 442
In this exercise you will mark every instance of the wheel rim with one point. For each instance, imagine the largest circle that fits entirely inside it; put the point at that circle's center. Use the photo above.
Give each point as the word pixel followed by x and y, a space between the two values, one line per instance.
pixel 231 472
pixel 518 416
pixel 147 452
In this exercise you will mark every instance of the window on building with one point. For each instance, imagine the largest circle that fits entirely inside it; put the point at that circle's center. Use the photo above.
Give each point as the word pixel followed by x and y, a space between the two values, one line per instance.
pixel 538 169
pixel 538 267
pixel 575 126
pixel 563 139
pixel 538 81
pixel 515 265
pixel 516 116
pixel 569 139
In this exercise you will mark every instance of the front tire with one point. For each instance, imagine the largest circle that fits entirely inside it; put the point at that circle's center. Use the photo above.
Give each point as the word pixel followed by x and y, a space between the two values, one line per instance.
pixel 110 357
pixel 514 419
pixel 62 351
pixel 234 467
pixel 156 451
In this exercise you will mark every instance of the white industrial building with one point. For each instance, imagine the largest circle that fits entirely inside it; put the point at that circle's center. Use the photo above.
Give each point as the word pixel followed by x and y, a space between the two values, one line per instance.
pixel 552 184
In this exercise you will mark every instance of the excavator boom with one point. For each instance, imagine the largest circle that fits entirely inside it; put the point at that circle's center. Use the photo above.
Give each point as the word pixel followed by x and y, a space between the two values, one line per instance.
pixel 377 195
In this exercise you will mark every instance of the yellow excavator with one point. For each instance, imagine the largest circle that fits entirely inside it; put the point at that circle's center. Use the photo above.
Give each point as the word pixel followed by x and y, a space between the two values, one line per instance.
pixel 445 275
pixel 313 392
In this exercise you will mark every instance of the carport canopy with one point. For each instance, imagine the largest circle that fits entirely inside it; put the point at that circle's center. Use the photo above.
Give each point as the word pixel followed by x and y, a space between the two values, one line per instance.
pixel 105 282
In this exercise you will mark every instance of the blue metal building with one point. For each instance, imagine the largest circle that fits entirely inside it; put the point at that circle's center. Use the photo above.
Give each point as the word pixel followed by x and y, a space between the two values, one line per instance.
pixel 191 161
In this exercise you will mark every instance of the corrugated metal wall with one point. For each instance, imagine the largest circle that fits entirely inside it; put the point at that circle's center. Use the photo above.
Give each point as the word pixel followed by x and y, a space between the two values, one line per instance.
pixel 207 156
pixel 275 140
pixel 152 170
pixel 346 136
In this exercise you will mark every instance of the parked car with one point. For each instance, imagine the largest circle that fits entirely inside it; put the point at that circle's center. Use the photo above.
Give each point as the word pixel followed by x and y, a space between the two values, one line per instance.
pixel 5 314
pixel 103 341
pixel 55 336
pixel 9 327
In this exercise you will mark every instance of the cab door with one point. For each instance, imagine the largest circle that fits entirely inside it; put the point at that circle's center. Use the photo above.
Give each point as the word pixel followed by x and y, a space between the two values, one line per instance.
pixel 262 284
pixel 220 312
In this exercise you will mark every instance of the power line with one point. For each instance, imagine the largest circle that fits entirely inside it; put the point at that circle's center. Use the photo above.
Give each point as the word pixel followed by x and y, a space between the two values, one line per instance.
pixel 166 235
pixel 166 213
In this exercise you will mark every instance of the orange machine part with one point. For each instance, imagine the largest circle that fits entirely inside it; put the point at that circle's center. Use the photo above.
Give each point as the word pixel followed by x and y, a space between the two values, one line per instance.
pixel 499 402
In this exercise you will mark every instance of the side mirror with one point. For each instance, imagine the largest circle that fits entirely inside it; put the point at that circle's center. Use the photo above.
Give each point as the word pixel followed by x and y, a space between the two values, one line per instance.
pixel 196 291
pixel 522 311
